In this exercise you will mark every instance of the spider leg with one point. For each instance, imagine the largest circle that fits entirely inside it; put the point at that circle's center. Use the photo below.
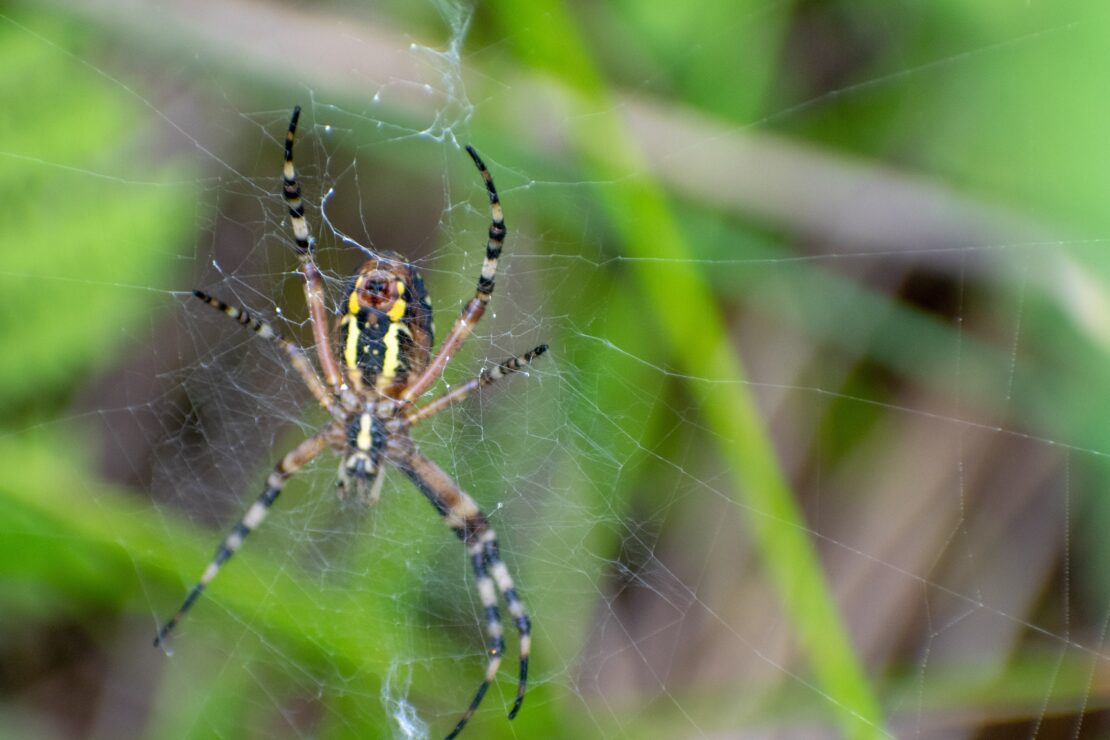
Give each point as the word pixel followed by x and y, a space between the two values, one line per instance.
pixel 461 513
pixel 263 329
pixel 491 553
pixel 306 246
pixel 485 377
pixel 286 467
pixel 476 306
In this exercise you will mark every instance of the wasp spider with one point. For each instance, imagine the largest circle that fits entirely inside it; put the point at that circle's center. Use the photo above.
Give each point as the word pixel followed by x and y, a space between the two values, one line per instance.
pixel 383 364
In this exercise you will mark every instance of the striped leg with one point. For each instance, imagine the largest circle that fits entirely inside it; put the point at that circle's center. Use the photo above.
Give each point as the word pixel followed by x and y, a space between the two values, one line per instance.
pixel 488 596
pixel 306 245
pixel 470 525
pixel 492 555
pixel 290 464
pixel 476 306
pixel 263 329
pixel 485 377
pixel 291 191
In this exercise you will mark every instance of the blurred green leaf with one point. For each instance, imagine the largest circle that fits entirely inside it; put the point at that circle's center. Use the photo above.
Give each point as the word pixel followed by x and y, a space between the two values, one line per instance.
pixel 90 231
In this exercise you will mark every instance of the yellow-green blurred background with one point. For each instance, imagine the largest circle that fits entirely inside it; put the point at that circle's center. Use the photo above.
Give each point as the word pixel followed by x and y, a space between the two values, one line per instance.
pixel 820 448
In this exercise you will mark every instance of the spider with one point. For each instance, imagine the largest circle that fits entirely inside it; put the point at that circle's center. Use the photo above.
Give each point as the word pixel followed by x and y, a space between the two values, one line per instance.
pixel 385 362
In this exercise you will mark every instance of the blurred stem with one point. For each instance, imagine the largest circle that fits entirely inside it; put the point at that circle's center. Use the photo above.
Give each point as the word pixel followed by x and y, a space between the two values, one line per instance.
pixel 693 330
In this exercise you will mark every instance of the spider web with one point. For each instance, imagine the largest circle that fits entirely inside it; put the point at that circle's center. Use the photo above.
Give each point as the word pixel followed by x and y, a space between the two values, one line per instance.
pixel 922 328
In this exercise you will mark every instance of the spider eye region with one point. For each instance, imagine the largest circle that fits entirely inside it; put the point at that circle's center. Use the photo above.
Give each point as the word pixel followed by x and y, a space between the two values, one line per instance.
pixel 377 293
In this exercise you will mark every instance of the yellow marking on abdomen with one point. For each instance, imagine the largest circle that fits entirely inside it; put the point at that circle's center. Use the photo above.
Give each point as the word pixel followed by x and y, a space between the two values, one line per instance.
pixel 392 360
pixel 397 310
pixel 350 349
pixel 392 340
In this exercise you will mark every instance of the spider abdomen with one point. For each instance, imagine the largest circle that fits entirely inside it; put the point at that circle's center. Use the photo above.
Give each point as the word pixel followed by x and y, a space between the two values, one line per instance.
pixel 386 331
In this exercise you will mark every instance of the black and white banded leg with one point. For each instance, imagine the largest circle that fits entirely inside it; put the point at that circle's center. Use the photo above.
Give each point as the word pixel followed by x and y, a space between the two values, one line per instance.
pixel 492 577
pixel 291 191
pixel 286 467
pixel 264 330
pixel 504 582
pixel 497 231
pixel 485 377
pixel 461 513
pixel 474 309
pixel 306 247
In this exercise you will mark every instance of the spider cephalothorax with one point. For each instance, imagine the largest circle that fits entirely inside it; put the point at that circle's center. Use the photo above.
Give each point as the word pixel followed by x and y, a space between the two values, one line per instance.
pixel 384 365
